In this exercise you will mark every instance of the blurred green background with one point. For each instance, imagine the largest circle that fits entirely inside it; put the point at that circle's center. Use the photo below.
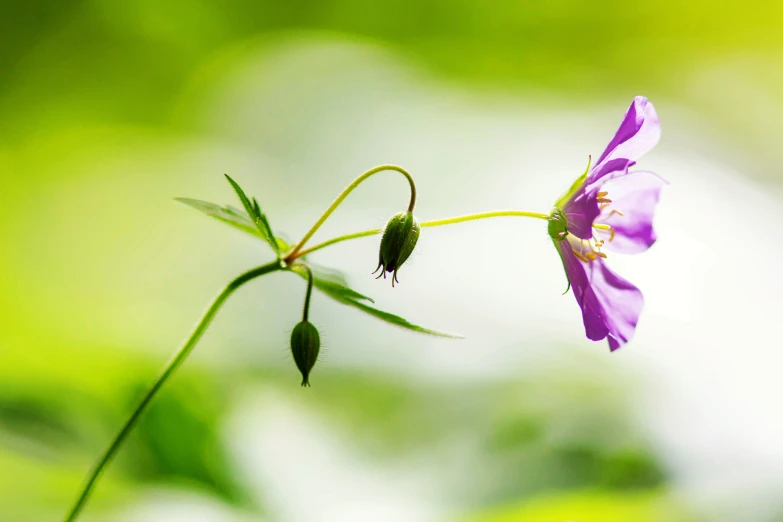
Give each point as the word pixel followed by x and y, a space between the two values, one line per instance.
pixel 111 109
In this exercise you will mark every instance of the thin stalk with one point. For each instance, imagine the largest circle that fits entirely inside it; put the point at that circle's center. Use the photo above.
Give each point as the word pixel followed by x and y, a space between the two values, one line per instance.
pixel 484 215
pixel 344 194
pixel 306 311
pixel 435 223
pixel 169 370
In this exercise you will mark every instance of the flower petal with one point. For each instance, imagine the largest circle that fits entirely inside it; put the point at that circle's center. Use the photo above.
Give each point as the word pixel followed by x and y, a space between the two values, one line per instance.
pixel 576 270
pixel 638 133
pixel 610 305
pixel 630 213
pixel 581 211
pixel 618 302
pixel 603 172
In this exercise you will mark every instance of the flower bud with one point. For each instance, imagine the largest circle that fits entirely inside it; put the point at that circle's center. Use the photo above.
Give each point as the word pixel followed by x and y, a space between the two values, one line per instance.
pixel 305 344
pixel 397 244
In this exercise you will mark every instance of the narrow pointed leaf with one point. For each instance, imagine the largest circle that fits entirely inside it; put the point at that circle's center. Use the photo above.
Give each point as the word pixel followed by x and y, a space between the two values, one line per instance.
pixel 256 216
pixel 242 197
pixel 225 214
pixel 399 321
pixel 261 216
pixel 334 288
pixel 331 282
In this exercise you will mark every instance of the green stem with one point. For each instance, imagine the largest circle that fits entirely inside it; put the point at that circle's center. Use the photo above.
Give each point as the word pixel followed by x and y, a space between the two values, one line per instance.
pixel 344 194
pixel 172 366
pixel 436 223
pixel 484 215
pixel 306 311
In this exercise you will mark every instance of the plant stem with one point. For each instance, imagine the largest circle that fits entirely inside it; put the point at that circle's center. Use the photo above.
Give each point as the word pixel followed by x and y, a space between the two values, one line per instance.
pixel 171 367
pixel 344 194
pixel 484 215
pixel 306 311
pixel 435 223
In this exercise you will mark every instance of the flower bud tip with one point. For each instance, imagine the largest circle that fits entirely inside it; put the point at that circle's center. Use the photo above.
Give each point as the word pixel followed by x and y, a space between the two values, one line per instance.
pixel 399 239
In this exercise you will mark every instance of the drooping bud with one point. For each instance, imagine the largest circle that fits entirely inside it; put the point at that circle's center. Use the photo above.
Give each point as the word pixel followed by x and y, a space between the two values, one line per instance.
pixel 305 344
pixel 398 241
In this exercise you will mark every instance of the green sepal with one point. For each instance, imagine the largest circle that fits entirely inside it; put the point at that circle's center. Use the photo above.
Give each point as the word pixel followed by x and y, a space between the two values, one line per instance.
pixel 565 270
pixel 560 203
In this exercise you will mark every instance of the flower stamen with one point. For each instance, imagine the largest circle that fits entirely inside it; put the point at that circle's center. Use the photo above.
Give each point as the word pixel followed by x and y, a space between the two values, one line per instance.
pixel 586 250
pixel 580 256
pixel 615 211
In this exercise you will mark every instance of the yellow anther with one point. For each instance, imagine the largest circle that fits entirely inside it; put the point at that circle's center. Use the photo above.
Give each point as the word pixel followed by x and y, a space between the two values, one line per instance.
pixel 590 255
pixel 600 254
pixel 602 194
pixel 601 226
pixel 604 200
pixel 615 211
pixel 580 256
pixel 601 207
pixel 611 235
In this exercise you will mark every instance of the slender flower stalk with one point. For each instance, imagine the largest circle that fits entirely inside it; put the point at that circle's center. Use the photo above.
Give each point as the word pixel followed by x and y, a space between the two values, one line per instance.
pixel 434 223
pixel 294 253
pixel 309 293
pixel 171 367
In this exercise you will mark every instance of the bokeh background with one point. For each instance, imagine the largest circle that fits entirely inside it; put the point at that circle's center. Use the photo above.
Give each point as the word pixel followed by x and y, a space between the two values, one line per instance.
pixel 109 110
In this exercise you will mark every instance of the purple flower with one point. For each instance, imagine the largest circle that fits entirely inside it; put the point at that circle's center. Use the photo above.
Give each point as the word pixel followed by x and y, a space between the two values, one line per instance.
pixel 610 209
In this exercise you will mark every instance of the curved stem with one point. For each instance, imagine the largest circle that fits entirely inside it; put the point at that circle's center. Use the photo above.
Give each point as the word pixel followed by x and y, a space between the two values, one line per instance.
pixel 171 367
pixel 344 194
pixel 435 223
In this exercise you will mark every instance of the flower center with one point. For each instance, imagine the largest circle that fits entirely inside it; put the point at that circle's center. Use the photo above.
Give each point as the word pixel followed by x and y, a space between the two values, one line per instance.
pixel 587 250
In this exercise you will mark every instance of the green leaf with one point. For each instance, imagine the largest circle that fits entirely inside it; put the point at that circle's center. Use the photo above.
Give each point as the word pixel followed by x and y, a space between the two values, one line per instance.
pixel 262 217
pixel 399 321
pixel 256 216
pixel 333 283
pixel 252 220
pixel 227 214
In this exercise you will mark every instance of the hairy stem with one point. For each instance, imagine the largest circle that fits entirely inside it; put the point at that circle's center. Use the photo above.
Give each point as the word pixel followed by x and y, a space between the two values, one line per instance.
pixel 344 194
pixel 171 367
pixel 435 223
